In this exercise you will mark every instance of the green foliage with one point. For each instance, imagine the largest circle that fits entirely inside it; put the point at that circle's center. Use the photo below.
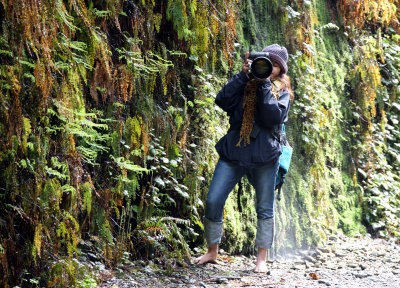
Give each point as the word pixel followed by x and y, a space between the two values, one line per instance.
pixel 73 273
pixel 176 12
pixel 378 157
pixel 163 237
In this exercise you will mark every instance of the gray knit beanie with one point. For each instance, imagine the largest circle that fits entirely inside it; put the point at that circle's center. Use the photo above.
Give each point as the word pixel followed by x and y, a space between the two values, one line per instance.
pixel 279 55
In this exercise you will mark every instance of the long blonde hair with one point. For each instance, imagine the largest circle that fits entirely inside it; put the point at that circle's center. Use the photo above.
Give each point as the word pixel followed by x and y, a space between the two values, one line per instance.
pixel 285 80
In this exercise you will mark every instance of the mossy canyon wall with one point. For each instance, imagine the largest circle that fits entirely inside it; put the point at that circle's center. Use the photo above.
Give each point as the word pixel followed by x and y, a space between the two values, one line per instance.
pixel 108 126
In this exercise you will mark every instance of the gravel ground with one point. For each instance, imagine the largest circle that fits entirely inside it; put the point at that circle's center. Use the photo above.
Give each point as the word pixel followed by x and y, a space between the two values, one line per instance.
pixel 342 262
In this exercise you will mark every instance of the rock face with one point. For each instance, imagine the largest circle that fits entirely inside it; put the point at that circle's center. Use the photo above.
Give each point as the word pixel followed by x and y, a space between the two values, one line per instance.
pixel 341 262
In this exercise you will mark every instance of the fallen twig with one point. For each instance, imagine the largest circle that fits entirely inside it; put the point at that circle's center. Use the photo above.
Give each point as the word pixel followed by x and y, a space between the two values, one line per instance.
pixel 216 278
pixel 258 284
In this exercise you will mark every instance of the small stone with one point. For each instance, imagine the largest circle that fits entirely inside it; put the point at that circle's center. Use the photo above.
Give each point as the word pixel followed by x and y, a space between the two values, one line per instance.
pixel 325 249
pixel 361 275
pixel 352 265
pixel 388 260
pixel 309 259
pixel 324 282
pixel 379 254
pixel 322 259
pixel 333 238
pixel 363 267
pixel 203 285
pixel 396 272
pixel 148 269
pixel 340 254
pixel 332 267
pixel 317 254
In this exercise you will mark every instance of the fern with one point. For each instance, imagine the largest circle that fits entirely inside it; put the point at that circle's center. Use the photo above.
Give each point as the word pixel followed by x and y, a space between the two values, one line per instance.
pixel 64 17
pixel 129 165
pixel 176 12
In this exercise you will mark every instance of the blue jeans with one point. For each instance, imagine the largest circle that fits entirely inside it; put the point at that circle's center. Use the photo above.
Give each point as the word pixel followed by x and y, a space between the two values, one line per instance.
pixel 226 176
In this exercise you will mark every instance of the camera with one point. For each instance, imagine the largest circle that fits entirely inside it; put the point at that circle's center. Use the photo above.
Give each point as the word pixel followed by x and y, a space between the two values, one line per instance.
pixel 261 67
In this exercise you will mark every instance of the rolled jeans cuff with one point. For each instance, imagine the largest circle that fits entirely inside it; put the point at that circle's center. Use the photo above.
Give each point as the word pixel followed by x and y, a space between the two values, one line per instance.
pixel 265 233
pixel 212 231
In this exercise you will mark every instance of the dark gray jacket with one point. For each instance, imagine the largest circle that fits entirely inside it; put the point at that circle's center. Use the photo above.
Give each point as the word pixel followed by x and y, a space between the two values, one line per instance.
pixel 264 144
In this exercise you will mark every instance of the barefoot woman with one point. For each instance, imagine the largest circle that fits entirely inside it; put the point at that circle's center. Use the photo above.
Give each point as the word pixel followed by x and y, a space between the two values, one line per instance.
pixel 251 148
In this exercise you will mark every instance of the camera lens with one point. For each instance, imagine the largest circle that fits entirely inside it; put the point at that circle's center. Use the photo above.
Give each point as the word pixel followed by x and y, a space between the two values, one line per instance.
pixel 261 68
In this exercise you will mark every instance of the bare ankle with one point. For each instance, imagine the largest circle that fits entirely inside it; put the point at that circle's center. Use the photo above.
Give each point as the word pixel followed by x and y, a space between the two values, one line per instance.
pixel 213 248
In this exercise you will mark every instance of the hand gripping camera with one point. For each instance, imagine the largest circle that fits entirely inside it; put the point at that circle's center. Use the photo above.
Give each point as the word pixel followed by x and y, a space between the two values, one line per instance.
pixel 261 67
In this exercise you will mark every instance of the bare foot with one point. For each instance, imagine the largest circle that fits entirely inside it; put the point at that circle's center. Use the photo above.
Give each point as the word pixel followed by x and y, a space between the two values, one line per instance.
pixel 206 258
pixel 261 265
pixel 209 257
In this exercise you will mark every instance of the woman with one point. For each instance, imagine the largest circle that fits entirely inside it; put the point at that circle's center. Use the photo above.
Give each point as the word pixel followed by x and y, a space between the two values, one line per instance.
pixel 251 147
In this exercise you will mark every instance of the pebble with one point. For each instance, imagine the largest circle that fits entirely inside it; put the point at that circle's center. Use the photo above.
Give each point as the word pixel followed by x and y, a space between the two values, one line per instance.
pixel 361 275
pixel 148 269
pixel 324 282
pixel 203 285
pixel 325 249
pixel 309 259
pixel 340 254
